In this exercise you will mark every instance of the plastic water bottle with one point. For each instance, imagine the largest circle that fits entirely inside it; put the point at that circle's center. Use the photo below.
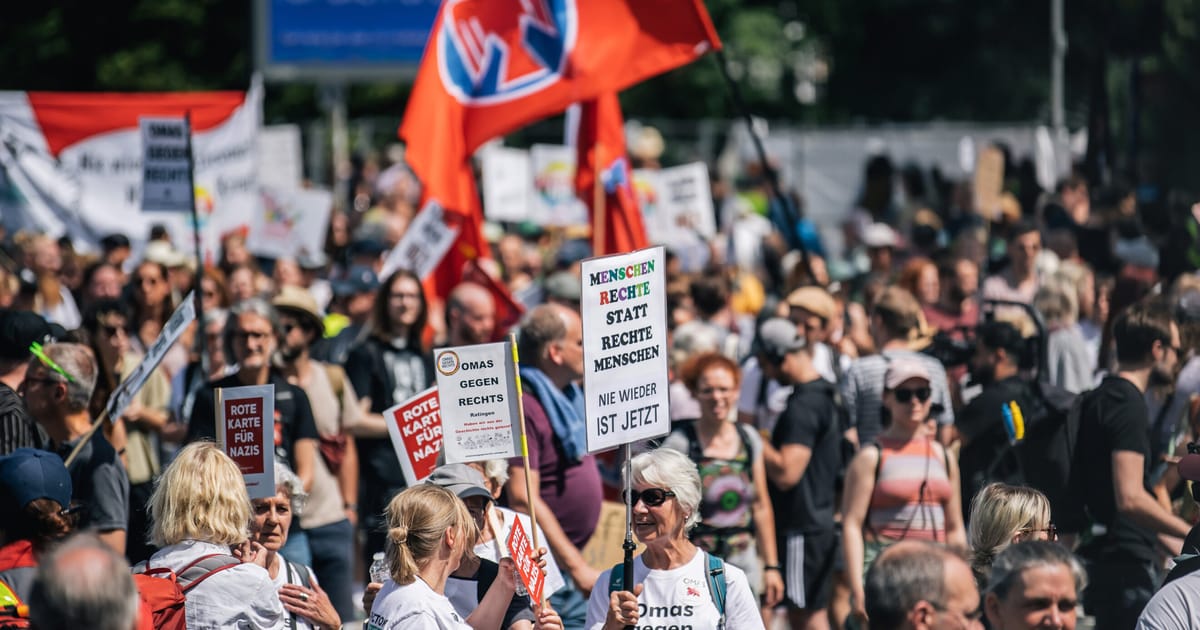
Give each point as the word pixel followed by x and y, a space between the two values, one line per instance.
pixel 379 568
pixel 521 591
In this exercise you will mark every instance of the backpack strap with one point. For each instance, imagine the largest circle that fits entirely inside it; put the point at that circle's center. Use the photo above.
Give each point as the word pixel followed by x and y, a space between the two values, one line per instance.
pixel 695 451
pixel 202 568
pixel 717 585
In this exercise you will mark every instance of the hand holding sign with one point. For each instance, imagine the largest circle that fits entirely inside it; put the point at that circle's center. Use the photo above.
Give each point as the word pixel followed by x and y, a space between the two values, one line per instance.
pixel 246 433
pixel 527 565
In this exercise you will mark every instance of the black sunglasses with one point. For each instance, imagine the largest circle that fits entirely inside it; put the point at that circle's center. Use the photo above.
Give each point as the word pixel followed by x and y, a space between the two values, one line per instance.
pixel 652 497
pixel 906 395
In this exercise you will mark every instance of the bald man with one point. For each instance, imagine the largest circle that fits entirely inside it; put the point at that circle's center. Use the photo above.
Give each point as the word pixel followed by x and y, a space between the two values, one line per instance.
pixel 470 315
pixel 916 585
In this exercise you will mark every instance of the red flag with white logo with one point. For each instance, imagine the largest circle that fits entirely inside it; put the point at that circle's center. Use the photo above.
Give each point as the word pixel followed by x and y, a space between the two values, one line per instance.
pixel 600 144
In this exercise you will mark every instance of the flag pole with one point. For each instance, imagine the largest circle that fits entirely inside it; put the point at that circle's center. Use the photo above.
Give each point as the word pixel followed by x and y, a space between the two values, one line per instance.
pixel 628 545
pixel 599 208
pixel 86 438
pixel 772 177
pixel 512 340
pixel 201 336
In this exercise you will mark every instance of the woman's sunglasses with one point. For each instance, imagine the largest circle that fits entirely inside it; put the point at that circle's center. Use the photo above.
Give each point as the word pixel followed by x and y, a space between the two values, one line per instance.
pixel 906 395
pixel 652 497
pixel 1051 531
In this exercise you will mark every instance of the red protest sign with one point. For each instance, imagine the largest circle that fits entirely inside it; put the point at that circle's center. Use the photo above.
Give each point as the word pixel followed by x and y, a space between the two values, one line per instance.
pixel 527 567
pixel 244 436
pixel 415 427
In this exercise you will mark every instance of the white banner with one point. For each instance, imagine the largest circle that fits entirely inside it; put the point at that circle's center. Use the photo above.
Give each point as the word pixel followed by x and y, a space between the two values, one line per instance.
pixel 625 348
pixel 477 390
pixel 507 183
pixel 423 245
pixel 72 164
pixel 246 432
pixel 290 221
pixel 184 314
pixel 553 201
pixel 280 156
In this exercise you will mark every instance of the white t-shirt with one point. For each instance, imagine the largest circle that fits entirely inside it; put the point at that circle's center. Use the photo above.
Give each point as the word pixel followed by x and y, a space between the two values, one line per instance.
pixel 292 577
pixel 413 606
pixel 680 597
pixel 1175 607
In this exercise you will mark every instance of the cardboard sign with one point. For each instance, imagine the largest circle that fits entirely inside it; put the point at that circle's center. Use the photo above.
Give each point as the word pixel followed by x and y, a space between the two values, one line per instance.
pixel 625 348
pixel 522 556
pixel 166 165
pixel 184 314
pixel 553 201
pixel 989 182
pixel 415 427
pixel 478 395
pixel 290 221
pixel 676 203
pixel 423 245
pixel 246 432
pixel 506 183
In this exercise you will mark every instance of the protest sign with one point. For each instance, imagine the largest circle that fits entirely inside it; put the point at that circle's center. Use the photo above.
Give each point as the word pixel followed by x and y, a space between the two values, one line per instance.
pixel 506 183
pixel 184 314
pixel 280 156
pixel 477 391
pixel 553 201
pixel 166 165
pixel 290 221
pixel 415 427
pixel 625 348
pixel 246 432
pixel 522 556
pixel 423 245
pixel 676 203
pixel 989 182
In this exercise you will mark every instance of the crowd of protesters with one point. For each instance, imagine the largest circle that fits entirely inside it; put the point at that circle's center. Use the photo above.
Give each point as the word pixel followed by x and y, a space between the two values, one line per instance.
pixel 850 447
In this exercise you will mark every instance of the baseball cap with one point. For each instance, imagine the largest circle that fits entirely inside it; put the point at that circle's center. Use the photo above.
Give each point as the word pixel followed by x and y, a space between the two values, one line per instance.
pixel 18 329
pixel 879 235
pixel 358 279
pixel 901 370
pixel 460 479
pixel 29 474
pixel 814 300
pixel 778 336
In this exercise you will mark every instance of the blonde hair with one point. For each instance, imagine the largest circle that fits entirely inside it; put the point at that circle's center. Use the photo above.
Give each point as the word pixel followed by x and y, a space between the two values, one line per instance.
pixel 200 496
pixel 999 512
pixel 417 520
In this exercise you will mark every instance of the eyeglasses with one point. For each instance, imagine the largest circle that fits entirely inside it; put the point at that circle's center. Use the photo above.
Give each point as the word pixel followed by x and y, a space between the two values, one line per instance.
pixel 1051 531
pixel 652 497
pixel 246 335
pixel 906 395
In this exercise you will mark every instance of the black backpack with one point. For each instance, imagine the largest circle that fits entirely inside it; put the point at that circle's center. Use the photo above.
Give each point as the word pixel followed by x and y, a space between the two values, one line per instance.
pixel 1043 458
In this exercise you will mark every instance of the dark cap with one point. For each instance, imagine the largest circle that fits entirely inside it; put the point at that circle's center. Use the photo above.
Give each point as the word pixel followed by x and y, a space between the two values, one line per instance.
pixel 573 251
pixel 778 336
pixel 564 285
pixel 460 479
pixel 19 329
pixel 358 279
pixel 29 474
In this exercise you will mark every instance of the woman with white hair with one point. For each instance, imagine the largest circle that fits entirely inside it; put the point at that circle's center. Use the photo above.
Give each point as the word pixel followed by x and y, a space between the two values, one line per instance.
pixel 673 578
pixel 1034 584
pixel 307 605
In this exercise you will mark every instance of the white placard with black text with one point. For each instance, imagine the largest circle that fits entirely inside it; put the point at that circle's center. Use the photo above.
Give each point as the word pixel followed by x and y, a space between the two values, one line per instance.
pixel 477 392
pixel 624 306
pixel 166 165
pixel 423 245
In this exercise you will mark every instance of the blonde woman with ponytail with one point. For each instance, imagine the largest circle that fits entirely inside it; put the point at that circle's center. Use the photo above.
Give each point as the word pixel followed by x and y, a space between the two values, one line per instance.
pixel 1002 515
pixel 429 530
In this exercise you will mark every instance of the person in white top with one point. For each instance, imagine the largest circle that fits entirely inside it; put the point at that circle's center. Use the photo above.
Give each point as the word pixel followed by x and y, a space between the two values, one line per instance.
pixel 308 606
pixel 671 579
pixel 200 508
pixel 429 529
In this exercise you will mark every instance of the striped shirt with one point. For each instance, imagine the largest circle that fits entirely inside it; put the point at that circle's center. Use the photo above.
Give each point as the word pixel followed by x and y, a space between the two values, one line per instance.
pixel 911 490
pixel 17 428
pixel 862 390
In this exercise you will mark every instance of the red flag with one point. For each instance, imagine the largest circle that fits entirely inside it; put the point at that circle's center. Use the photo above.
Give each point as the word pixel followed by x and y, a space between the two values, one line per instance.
pixel 491 66
pixel 601 149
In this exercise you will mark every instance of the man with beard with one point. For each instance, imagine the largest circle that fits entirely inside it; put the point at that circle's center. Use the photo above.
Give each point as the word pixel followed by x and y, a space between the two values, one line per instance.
pixel 1113 454
pixel 470 315
pixel 981 424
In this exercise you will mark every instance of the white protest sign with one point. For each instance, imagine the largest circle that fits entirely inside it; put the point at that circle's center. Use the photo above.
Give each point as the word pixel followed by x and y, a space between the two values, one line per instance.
pixel 166 165
pixel 246 432
pixel 553 201
pixel 423 245
pixel 676 203
pixel 477 388
pixel 415 427
pixel 506 184
pixel 280 156
pixel 184 314
pixel 290 220
pixel 624 306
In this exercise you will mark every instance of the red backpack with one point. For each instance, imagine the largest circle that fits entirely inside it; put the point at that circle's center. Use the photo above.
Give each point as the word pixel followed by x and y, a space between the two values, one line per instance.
pixel 164 592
